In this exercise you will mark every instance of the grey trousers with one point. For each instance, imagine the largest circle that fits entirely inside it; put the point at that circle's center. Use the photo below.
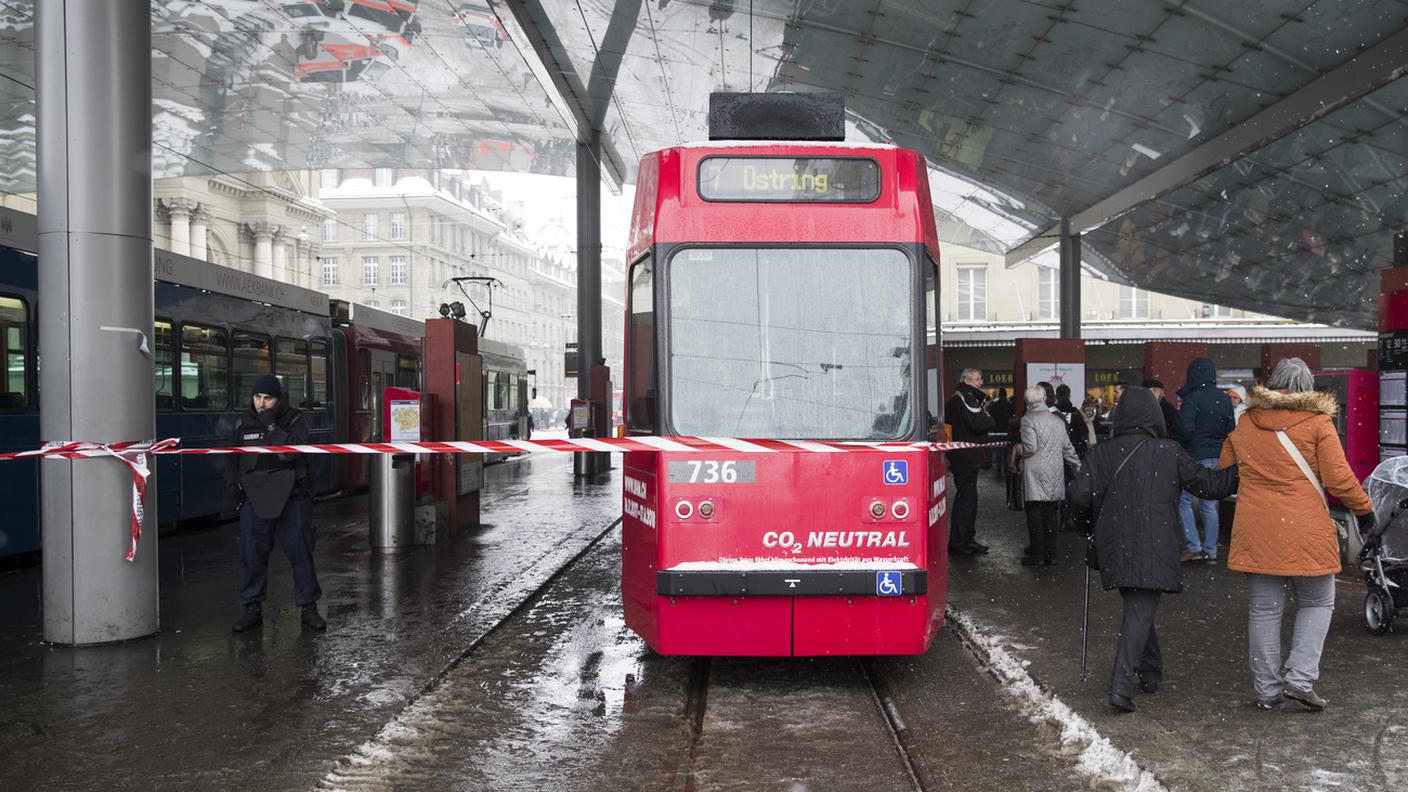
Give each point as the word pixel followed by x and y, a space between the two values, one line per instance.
pixel 1315 603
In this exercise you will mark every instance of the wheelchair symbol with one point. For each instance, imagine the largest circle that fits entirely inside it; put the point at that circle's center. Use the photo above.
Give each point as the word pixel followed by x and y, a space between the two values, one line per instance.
pixel 896 471
pixel 887 584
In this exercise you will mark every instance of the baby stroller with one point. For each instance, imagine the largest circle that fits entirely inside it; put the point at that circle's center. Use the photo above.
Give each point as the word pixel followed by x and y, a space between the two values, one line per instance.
pixel 1384 557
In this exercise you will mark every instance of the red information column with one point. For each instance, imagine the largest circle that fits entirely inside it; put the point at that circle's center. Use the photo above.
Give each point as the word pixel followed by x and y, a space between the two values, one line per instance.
pixel 1059 361
pixel 1393 352
pixel 454 375
pixel 1271 354
pixel 1167 362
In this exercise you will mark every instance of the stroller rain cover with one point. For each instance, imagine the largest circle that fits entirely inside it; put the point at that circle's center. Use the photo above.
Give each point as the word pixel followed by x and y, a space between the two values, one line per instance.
pixel 1387 488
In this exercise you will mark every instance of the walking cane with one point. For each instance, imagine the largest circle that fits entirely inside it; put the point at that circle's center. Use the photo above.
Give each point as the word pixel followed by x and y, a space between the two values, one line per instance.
pixel 1085 616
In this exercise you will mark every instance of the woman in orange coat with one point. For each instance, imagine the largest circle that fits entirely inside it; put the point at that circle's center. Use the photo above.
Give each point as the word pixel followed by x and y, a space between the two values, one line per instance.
pixel 1283 531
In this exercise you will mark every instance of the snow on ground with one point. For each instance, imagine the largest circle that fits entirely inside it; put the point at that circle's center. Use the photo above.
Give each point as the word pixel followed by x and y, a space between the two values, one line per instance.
pixel 1097 757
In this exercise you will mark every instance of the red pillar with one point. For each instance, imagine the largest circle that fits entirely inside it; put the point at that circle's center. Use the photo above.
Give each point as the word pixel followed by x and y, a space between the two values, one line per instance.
pixel 1393 355
pixel 1047 350
pixel 454 374
pixel 1271 354
pixel 1167 362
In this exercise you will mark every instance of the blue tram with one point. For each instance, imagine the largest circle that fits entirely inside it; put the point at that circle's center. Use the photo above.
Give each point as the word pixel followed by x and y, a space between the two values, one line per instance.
pixel 214 331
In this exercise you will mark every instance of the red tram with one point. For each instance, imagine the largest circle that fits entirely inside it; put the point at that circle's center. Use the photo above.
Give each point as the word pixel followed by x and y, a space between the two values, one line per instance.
pixel 783 292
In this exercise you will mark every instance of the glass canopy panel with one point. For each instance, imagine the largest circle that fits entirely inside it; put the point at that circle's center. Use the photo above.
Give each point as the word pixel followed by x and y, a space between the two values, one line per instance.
pixel 17 110
pixel 1299 228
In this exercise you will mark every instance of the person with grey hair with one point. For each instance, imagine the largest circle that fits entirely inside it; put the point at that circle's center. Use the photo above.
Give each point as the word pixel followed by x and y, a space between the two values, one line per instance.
pixel 971 423
pixel 1046 452
pixel 1289 454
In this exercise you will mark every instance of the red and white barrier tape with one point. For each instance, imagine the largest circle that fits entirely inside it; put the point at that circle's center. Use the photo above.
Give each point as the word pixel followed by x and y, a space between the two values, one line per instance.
pixel 133 454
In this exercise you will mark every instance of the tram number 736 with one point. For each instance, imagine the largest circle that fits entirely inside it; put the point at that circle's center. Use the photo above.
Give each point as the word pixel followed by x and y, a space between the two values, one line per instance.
pixel 712 471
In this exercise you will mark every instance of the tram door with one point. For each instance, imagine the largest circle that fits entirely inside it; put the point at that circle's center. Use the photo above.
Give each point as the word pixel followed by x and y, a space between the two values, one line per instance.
pixel 380 372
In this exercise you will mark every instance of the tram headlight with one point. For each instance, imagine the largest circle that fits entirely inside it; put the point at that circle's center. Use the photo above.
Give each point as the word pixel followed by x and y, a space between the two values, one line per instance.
pixel 877 510
pixel 706 509
pixel 684 510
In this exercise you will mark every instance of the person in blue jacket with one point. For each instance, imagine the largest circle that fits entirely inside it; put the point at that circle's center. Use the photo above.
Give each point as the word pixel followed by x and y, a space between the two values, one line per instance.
pixel 1204 421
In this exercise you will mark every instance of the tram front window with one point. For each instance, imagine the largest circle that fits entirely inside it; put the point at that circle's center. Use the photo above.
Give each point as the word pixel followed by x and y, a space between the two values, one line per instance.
pixel 790 343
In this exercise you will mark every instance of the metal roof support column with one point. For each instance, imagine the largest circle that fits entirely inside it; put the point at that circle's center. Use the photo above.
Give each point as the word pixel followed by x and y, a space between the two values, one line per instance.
pixel 94 97
pixel 1070 281
pixel 588 280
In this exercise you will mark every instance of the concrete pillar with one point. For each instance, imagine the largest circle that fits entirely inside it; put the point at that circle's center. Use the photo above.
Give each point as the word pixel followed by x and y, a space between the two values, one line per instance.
pixel 93 63
pixel 280 263
pixel 1070 281
pixel 588 280
pixel 263 234
pixel 180 211
pixel 199 249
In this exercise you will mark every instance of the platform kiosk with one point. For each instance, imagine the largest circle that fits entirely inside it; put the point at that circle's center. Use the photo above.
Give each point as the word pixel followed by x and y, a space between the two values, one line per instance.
pixel 1059 361
pixel 454 377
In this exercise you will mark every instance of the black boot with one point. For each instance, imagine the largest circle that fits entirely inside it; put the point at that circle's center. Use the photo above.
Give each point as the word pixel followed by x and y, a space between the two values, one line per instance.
pixel 312 619
pixel 252 617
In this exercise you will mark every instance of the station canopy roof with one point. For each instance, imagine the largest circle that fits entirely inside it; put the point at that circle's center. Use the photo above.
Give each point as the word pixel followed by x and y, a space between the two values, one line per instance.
pixel 1250 154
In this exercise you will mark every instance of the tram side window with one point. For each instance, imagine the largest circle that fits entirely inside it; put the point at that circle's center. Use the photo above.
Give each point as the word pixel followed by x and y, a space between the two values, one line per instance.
pixel 407 372
pixel 503 386
pixel 14 347
pixel 252 357
pixel 319 379
pixel 205 368
pixel 932 346
pixel 164 365
pixel 641 373
pixel 291 363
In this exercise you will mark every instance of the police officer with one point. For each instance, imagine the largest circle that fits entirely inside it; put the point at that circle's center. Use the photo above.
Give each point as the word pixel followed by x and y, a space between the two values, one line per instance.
pixel 274 496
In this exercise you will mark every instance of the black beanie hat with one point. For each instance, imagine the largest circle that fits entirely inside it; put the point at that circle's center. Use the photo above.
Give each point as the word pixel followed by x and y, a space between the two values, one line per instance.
pixel 268 385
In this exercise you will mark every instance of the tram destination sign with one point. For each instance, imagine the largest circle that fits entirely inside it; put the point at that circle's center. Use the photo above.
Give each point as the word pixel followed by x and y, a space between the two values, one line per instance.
pixel 790 179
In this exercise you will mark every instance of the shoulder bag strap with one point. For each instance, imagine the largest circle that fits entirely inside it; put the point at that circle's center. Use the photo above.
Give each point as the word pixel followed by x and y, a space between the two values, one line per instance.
pixel 1123 462
pixel 1303 465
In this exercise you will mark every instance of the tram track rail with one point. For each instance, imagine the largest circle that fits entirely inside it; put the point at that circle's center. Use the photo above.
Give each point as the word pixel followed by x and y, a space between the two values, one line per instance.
pixel 903 738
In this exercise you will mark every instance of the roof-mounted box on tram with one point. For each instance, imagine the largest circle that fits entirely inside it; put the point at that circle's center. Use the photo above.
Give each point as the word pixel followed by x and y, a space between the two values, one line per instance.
pixel 783 292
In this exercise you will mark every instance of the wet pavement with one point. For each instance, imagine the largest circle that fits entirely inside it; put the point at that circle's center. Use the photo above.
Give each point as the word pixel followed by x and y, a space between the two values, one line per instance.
pixel 1200 731
pixel 199 707
pixel 563 696
pixel 500 661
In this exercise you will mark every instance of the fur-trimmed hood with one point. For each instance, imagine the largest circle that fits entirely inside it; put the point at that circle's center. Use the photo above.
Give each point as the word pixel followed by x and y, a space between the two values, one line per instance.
pixel 1273 410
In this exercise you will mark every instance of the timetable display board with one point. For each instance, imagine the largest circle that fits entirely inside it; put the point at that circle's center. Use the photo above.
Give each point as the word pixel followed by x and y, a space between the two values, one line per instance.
pixel 790 179
pixel 1393 393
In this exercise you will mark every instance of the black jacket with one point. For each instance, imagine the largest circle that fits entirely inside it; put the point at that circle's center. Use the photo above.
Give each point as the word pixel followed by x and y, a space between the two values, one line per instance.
pixel 287 426
pixel 1075 425
pixel 971 424
pixel 1002 411
pixel 1138 535
pixel 1170 415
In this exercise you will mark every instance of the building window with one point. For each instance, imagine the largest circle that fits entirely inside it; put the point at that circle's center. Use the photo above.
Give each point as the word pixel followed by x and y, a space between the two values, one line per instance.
pixel 1217 311
pixel 384 177
pixel 373 304
pixel 371 270
pixel 329 272
pixel 398 307
pixel 330 230
pixel 328 177
pixel 1048 293
pixel 398 270
pixel 369 226
pixel 972 294
pixel 398 225
pixel 1134 303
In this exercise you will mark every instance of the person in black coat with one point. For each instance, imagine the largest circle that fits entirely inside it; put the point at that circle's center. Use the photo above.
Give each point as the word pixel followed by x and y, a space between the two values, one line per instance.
pixel 1130 487
pixel 1067 411
pixel 273 494
pixel 971 424
pixel 1002 411
pixel 1170 413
